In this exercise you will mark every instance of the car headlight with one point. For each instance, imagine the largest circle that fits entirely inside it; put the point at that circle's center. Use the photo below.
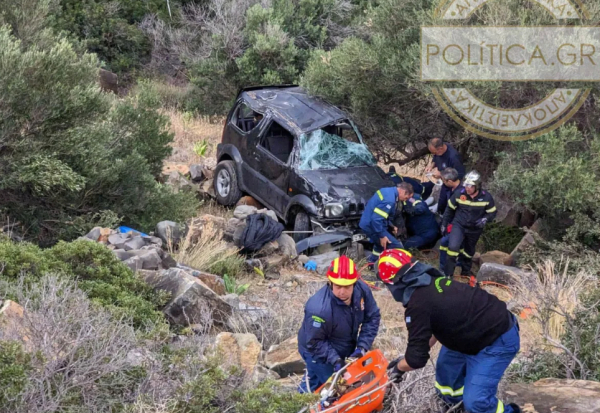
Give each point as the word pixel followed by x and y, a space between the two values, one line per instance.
pixel 334 210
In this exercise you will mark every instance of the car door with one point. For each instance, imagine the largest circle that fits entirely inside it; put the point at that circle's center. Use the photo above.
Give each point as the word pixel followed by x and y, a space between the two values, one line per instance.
pixel 273 153
pixel 245 131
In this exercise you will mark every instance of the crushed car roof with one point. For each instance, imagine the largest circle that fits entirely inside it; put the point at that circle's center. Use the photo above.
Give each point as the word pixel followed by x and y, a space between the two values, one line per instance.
pixel 293 107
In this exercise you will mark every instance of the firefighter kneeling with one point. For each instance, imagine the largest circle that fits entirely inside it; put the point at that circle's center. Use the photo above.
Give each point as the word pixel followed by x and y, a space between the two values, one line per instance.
pixel 332 320
pixel 479 336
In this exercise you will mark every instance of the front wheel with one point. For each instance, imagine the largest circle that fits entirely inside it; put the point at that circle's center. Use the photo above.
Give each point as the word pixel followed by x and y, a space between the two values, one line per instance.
pixel 301 226
pixel 225 184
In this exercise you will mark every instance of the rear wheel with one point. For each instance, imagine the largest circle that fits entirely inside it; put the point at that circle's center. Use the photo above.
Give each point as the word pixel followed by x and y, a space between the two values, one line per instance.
pixel 225 183
pixel 301 226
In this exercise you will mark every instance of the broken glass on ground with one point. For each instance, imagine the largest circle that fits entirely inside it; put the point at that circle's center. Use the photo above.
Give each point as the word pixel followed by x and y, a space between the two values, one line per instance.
pixel 322 150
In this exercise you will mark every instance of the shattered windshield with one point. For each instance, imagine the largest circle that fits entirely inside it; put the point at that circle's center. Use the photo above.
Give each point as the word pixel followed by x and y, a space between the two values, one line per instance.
pixel 332 147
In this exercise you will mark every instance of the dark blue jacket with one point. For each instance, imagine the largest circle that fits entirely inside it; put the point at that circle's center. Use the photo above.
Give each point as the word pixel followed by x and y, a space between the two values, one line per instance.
pixel 416 184
pixel 379 212
pixel 419 219
pixel 450 159
pixel 330 328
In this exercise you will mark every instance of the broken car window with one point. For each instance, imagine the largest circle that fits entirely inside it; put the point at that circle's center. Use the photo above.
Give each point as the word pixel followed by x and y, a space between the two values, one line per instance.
pixel 278 141
pixel 245 118
pixel 332 147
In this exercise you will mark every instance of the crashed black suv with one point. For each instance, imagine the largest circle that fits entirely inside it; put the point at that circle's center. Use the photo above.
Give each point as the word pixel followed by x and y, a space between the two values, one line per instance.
pixel 299 156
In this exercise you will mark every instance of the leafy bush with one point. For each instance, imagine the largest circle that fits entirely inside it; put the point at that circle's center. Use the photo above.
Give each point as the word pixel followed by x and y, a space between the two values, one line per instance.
pixel 501 237
pixel 72 157
pixel 556 176
pixel 232 287
pixel 97 271
pixel 15 366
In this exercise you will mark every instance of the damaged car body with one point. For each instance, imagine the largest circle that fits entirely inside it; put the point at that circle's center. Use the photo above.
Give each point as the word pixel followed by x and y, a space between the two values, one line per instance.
pixel 299 156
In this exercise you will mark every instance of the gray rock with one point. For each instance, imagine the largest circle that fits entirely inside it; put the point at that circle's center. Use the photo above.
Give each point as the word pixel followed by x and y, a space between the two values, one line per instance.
pixel 324 260
pixel 287 245
pixel 261 374
pixel 169 232
pixel 197 173
pixel 206 189
pixel 499 273
pixel 124 255
pixel 284 358
pixel 168 261
pixel 134 243
pixel 233 300
pixel 94 234
pixel 303 259
pixel 134 263
pixel 118 240
pixel 192 301
pixel 179 182
pixel 150 260
pixel 556 395
pixel 231 227
pixel 269 213
pixel 237 235
pixel 242 211
pixel 149 240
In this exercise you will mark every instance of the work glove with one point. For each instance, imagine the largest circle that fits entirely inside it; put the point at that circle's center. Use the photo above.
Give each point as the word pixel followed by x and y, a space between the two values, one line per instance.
pixel 481 222
pixel 358 353
pixel 311 266
pixel 337 366
pixel 394 374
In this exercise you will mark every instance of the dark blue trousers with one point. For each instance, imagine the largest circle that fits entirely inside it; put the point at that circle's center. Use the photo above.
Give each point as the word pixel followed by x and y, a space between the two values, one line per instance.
pixel 317 373
pixel 426 240
pixel 444 254
pixel 378 249
pixel 475 379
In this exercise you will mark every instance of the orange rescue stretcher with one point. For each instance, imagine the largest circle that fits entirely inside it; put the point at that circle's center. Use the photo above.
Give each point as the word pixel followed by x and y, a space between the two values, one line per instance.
pixel 359 387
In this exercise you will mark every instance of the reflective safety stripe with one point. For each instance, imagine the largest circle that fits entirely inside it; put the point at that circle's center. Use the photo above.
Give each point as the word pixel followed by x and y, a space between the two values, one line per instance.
pixel 451 205
pixel 391 260
pixel 380 212
pixel 336 265
pixel 453 253
pixel 380 195
pixel 465 254
pixel 500 408
pixel 489 211
pixel 351 271
pixel 375 253
pixel 423 191
pixel 448 391
pixel 442 248
pixel 472 203
pixel 416 202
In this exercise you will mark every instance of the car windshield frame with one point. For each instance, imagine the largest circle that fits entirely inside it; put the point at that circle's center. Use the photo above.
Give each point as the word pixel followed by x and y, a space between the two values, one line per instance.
pixel 320 157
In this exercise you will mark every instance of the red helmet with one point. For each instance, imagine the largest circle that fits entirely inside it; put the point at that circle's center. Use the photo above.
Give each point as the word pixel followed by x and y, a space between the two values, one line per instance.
pixel 342 271
pixel 390 262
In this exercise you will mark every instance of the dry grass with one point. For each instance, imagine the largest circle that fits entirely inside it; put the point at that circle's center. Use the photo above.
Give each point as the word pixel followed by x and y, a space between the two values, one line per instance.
pixel 190 130
pixel 205 252
pixel 551 298
pixel 213 208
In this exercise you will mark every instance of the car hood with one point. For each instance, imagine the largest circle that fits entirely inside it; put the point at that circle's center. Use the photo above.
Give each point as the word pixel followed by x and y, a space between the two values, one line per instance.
pixel 348 184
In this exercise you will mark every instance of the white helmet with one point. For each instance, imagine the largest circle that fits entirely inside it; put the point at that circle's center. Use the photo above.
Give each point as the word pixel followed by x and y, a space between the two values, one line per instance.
pixel 473 178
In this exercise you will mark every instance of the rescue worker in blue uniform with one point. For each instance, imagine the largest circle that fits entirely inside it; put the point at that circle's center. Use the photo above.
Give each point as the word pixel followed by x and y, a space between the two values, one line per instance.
pixel 378 216
pixel 444 156
pixel 469 210
pixel 423 189
pixel 332 320
pixel 479 336
pixel 451 180
pixel 423 229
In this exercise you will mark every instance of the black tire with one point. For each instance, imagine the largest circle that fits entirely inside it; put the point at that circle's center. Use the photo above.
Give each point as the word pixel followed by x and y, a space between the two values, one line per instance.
pixel 301 223
pixel 225 184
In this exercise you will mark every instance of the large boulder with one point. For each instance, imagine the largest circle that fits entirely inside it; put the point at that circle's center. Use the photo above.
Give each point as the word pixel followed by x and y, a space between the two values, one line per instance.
pixel 241 212
pixel 109 81
pixel 496 257
pixel 501 274
pixel 215 282
pixel 556 396
pixel 169 232
pixel 180 183
pixel 197 173
pixel 324 260
pixel 192 301
pixel 284 358
pixel 287 245
pixel 240 349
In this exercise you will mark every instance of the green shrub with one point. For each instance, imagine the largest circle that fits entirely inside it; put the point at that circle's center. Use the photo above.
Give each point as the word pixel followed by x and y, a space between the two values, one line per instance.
pixel 98 272
pixel 86 158
pixel 15 365
pixel 231 264
pixel 268 397
pixel 501 237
